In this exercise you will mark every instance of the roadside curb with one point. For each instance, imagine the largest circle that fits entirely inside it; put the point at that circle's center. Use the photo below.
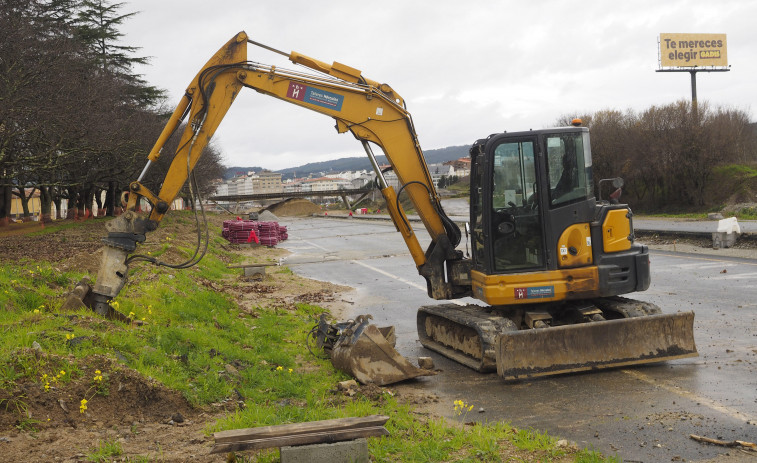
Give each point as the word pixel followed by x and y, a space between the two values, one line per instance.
pixel 751 237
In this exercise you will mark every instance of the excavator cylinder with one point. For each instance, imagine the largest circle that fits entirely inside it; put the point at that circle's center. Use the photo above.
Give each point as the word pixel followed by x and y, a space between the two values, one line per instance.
pixel 595 345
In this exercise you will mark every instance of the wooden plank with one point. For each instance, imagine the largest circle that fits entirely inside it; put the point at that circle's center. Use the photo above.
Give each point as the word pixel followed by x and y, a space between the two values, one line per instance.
pixel 325 437
pixel 251 265
pixel 267 432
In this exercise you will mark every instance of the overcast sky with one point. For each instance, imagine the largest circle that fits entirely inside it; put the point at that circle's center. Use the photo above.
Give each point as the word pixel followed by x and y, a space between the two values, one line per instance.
pixel 465 68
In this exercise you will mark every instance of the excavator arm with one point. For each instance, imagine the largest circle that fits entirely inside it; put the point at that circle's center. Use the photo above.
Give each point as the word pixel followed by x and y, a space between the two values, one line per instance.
pixel 374 113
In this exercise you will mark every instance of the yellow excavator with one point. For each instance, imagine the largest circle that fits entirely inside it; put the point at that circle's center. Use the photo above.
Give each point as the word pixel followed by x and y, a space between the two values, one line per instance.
pixel 548 258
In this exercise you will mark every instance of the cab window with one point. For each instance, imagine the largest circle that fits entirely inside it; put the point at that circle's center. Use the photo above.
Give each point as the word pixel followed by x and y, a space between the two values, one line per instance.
pixel 569 168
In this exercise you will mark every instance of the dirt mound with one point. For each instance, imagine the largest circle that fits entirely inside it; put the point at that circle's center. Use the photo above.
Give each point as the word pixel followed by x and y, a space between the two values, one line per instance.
pixel 294 207
pixel 129 397
pixel 51 424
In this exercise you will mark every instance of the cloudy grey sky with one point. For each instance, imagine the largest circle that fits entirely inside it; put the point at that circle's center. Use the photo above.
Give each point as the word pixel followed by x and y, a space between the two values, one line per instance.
pixel 465 68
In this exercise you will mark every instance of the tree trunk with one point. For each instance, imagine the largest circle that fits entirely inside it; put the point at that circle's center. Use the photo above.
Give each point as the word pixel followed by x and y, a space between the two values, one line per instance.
pixel 6 195
pixel 21 193
pixel 99 202
pixel 81 201
pixel 46 204
pixel 58 201
pixel 110 199
pixel 71 199
pixel 88 198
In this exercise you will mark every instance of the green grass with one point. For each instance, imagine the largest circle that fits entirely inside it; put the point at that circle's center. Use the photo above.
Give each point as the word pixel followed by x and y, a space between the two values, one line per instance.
pixel 736 171
pixel 196 340
pixel 105 451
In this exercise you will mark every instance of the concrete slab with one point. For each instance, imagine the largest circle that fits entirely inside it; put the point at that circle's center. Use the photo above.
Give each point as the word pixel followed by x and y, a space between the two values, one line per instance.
pixel 254 272
pixel 353 451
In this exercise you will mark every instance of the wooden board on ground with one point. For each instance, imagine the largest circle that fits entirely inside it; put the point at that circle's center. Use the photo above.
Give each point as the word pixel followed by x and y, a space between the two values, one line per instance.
pixel 313 432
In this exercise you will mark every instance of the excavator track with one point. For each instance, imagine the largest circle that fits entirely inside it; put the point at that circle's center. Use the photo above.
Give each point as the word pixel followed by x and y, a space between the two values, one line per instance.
pixel 589 335
pixel 466 334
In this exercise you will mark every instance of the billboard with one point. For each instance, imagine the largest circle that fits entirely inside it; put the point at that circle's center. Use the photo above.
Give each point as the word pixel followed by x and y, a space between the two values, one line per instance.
pixel 689 50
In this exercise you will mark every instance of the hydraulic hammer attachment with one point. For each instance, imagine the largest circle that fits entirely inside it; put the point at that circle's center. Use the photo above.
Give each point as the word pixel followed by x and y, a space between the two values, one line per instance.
pixel 595 345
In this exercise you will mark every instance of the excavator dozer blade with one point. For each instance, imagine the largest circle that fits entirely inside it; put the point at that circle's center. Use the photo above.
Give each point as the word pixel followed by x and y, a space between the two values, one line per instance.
pixel 596 345
pixel 365 353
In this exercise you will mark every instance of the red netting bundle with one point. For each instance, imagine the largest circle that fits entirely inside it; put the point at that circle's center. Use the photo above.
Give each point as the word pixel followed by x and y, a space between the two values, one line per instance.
pixel 249 231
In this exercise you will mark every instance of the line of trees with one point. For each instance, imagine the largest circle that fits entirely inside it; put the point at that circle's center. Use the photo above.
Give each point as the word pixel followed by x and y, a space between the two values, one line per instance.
pixel 75 120
pixel 668 155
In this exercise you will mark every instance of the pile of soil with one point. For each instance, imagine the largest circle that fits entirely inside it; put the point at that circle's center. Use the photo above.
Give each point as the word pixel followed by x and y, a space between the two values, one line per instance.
pixel 294 207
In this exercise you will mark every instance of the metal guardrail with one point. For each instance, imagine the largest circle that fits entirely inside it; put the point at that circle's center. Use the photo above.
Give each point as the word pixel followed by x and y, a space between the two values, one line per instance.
pixel 295 194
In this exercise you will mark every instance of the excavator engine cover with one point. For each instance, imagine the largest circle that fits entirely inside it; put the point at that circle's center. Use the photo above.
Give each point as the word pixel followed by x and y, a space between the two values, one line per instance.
pixel 595 345
pixel 367 353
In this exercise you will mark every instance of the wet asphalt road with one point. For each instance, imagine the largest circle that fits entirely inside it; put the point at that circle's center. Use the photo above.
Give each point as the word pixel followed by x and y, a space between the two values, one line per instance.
pixel 643 414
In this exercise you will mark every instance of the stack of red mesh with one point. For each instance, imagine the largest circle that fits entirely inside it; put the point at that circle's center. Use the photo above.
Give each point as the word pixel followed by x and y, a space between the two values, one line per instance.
pixel 268 233
pixel 245 231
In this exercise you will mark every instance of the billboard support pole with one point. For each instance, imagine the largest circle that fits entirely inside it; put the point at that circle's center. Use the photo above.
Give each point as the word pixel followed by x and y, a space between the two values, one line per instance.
pixel 693 72
pixel 694 108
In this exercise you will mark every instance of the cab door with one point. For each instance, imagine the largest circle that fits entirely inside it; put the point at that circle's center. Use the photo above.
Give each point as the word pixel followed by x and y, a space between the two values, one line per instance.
pixel 516 226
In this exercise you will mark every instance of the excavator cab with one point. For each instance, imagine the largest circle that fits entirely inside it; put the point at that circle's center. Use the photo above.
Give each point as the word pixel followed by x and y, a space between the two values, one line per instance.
pixel 525 187
pixel 533 211
pixel 551 261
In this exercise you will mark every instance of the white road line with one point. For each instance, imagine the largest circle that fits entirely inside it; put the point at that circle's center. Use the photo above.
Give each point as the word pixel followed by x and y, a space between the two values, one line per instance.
pixel 315 245
pixel 696 266
pixel 387 274
pixel 709 403
pixel 736 276
pixel 700 258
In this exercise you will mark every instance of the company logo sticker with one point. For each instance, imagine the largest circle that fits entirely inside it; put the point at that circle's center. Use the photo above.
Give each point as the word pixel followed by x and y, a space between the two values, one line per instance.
pixel 315 96
pixel 537 292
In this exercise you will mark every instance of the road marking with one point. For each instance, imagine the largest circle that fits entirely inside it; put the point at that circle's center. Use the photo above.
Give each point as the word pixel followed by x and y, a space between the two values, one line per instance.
pixel 315 245
pixel 736 276
pixel 387 274
pixel 709 403
pixel 697 266
pixel 710 259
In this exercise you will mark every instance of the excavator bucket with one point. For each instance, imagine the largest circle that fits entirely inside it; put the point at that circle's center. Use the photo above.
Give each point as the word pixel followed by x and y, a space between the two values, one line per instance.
pixel 596 345
pixel 368 355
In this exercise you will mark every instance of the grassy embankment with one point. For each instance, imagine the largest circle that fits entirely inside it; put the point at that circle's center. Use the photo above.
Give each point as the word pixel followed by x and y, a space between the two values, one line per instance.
pixel 186 334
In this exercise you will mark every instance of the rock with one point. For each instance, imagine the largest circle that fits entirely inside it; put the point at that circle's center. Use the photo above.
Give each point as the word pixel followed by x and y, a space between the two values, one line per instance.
pixel 481 410
pixel 426 363
pixel 177 417
pixel 36 346
pixel 715 216
pixel 231 370
pixel 346 385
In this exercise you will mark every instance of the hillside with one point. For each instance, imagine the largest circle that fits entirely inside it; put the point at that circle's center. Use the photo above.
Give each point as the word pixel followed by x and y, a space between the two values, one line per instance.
pixel 355 163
